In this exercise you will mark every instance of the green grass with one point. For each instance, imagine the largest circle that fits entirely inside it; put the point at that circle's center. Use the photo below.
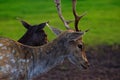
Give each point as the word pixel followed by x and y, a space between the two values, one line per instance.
pixel 103 18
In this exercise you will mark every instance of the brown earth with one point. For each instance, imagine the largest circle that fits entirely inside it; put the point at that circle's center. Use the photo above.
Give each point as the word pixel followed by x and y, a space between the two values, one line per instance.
pixel 104 65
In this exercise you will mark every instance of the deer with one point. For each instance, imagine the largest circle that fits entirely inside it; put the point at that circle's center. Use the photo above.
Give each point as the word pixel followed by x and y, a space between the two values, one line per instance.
pixel 35 35
pixel 23 62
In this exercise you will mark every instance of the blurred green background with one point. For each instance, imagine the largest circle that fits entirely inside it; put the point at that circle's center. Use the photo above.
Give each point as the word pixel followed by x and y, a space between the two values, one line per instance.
pixel 103 18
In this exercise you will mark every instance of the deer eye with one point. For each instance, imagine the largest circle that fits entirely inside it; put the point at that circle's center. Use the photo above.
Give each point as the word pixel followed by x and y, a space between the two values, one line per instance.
pixel 80 46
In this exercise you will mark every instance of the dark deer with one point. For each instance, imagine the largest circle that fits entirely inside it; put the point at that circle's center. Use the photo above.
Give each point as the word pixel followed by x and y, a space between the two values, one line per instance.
pixel 22 62
pixel 35 35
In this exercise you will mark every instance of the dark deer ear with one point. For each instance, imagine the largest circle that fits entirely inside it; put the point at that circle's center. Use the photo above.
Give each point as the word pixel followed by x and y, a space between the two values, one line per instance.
pixel 42 25
pixel 75 36
pixel 25 24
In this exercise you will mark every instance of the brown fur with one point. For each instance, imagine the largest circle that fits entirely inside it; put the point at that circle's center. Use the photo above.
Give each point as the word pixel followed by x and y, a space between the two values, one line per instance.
pixel 21 62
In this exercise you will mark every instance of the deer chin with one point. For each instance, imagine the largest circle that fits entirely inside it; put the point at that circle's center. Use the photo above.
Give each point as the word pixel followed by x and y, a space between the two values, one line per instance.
pixel 84 66
pixel 80 65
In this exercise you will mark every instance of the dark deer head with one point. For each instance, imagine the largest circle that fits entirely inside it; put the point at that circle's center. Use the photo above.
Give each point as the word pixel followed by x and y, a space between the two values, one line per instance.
pixel 35 35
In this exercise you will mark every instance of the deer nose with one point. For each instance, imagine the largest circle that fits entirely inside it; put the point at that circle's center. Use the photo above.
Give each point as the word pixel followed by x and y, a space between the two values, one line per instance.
pixel 87 64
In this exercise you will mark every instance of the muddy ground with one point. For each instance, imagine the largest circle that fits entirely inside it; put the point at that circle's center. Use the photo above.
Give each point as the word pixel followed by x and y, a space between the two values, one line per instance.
pixel 104 65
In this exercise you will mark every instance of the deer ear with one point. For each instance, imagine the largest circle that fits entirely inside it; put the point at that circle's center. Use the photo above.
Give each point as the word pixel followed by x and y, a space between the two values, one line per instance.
pixel 54 30
pixel 42 25
pixel 25 24
pixel 76 35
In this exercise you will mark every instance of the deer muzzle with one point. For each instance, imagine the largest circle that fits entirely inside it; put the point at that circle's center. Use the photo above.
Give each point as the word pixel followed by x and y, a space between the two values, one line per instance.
pixel 85 65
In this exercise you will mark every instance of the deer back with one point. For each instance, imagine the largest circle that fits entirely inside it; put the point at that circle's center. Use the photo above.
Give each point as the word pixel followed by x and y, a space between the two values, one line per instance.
pixel 18 61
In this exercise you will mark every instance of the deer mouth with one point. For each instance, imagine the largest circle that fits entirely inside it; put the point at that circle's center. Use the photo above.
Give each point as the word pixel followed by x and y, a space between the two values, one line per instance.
pixel 85 66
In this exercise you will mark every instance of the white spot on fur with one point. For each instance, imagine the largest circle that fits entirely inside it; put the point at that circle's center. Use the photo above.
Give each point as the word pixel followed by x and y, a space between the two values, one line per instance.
pixel 1 44
pixel 5 68
pixel 1 57
pixel 7 55
pixel 13 51
pixel 4 47
pixel 13 61
pixel 13 70
pixel 27 60
pixel 23 60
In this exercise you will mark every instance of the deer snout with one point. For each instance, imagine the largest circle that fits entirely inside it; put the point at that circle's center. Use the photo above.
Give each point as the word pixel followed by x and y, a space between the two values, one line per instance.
pixel 85 65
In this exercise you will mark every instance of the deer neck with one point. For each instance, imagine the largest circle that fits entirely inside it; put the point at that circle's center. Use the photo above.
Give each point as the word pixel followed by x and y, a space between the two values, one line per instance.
pixel 48 57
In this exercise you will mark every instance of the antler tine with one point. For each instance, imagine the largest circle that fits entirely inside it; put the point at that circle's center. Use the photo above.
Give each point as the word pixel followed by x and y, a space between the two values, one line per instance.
pixel 77 17
pixel 58 6
pixel 18 18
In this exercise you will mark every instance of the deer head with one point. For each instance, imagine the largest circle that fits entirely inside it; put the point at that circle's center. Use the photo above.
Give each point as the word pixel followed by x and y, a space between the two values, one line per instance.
pixel 35 35
pixel 75 44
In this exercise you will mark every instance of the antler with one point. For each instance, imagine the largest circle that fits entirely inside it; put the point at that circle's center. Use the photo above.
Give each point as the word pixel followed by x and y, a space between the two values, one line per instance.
pixel 77 17
pixel 58 6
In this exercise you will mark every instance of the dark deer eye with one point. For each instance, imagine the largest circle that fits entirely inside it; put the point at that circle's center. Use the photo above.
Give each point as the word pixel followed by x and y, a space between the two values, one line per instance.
pixel 80 46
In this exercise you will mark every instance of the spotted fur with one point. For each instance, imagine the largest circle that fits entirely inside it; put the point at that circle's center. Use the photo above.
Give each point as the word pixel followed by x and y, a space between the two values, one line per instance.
pixel 22 62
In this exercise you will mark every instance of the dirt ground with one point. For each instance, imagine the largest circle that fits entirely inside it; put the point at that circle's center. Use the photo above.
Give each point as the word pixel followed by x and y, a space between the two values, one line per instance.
pixel 104 65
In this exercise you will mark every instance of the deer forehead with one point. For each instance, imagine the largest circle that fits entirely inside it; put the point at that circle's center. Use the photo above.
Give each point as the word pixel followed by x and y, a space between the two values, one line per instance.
pixel 70 30
pixel 67 31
